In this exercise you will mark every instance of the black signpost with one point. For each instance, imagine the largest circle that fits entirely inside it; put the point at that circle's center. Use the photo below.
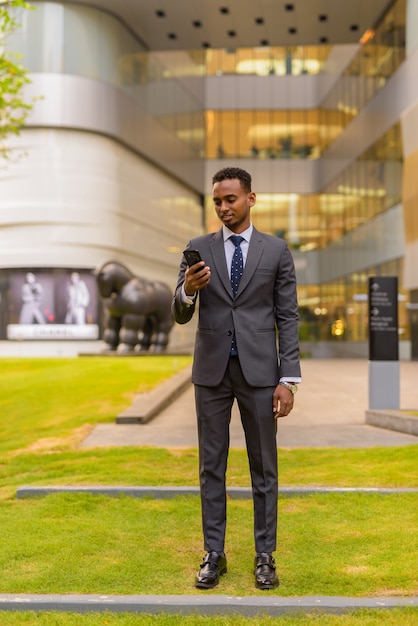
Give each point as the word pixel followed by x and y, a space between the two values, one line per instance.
pixel 383 316
pixel 384 387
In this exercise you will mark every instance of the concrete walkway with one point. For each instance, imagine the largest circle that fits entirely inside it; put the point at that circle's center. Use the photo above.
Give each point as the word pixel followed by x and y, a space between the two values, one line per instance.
pixel 329 411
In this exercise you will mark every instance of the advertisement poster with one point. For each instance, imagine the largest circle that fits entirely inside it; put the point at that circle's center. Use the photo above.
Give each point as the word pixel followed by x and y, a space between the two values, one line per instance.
pixel 52 305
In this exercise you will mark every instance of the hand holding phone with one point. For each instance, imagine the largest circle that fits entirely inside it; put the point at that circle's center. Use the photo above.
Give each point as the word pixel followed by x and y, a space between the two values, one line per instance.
pixel 193 282
pixel 192 257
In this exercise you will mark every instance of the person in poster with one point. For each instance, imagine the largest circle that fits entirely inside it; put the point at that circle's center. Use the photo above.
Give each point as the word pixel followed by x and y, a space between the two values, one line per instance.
pixel 32 294
pixel 78 300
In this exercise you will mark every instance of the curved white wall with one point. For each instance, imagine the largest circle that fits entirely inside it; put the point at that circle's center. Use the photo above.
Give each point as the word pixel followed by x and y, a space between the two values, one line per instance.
pixel 92 73
pixel 78 198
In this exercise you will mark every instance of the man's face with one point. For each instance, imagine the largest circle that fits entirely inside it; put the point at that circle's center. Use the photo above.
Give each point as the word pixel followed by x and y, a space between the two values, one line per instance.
pixel 233 204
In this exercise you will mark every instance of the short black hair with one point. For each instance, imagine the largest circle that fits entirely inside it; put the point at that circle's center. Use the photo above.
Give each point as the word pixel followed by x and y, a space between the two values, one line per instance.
pixel 230 173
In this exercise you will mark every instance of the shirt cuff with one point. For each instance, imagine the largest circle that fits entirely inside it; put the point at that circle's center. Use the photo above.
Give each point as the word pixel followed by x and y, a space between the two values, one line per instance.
pixel 295 380
pixel 187 300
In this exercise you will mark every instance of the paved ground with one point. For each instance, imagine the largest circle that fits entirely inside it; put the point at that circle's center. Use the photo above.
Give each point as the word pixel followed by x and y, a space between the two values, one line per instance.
pixel 329 411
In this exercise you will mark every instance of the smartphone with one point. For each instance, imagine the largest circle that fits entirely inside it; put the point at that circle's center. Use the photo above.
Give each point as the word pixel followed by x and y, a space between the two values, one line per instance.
pixel 192 257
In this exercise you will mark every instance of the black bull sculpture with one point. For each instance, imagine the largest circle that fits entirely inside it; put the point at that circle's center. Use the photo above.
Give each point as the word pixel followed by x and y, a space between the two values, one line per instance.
pixel 137 312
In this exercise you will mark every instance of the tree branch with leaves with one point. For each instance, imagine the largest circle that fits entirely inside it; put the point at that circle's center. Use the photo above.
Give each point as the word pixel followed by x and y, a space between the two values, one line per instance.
pixel 13 78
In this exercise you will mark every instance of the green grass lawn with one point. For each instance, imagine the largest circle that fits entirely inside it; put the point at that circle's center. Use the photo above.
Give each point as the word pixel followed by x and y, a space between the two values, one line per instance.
pixel 48 406
pixel 393 617
pixel 337 544
pixel 45 401
pixel 345 544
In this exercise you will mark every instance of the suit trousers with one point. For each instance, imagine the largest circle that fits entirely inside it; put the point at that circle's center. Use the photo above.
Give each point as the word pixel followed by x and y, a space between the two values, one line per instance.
pixel 213 408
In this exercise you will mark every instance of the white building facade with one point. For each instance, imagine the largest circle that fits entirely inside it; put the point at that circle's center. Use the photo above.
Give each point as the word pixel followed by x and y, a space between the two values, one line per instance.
pixel 134 116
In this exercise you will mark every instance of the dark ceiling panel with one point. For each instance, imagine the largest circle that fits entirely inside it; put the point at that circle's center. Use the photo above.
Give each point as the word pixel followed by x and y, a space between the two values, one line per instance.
pixel 171 24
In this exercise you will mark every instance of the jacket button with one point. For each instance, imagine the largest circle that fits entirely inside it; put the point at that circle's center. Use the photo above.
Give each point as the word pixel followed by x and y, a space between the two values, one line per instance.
pixel 229 333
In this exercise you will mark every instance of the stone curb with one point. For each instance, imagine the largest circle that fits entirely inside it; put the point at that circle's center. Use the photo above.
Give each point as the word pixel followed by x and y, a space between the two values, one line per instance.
pixel 172 492
pixel 202 604
pixel 147 405
pixel 393 420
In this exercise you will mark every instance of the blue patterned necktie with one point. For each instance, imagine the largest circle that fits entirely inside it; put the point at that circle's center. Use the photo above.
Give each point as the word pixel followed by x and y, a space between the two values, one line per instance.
pixel 237 267
pixel 237 264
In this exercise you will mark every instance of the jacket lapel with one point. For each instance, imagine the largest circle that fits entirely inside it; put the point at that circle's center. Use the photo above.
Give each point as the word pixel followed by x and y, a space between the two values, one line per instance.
pixel 218 254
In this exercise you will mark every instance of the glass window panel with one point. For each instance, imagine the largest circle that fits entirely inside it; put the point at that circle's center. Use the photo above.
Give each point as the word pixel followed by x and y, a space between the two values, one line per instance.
pixel 40 38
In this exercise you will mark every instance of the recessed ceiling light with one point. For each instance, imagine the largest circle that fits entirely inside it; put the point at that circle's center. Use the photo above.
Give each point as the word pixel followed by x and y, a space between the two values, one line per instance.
pixel 289 7
pixel 224 10
pixel 292 31
pixel 323 17
pixel 259 20
pixel 172 36
pixel 367 36
pixel 197 24
pixel 160 13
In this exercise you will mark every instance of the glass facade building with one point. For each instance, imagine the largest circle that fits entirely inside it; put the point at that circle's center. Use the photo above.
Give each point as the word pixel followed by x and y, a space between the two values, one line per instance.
pixel 122 144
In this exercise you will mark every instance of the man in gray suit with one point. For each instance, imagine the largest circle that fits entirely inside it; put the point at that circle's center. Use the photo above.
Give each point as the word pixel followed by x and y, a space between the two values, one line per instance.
pixel 246 349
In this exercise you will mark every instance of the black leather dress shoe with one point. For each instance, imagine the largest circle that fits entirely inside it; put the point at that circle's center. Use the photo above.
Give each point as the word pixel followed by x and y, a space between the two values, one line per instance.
pixel 213 566
pixel 265 571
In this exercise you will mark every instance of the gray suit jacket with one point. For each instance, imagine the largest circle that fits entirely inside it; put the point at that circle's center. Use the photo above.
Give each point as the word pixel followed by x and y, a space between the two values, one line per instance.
pixel 266 302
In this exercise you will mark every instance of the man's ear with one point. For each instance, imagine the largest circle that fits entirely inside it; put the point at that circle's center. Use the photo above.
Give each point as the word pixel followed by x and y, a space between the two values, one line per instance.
pixel 251 198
